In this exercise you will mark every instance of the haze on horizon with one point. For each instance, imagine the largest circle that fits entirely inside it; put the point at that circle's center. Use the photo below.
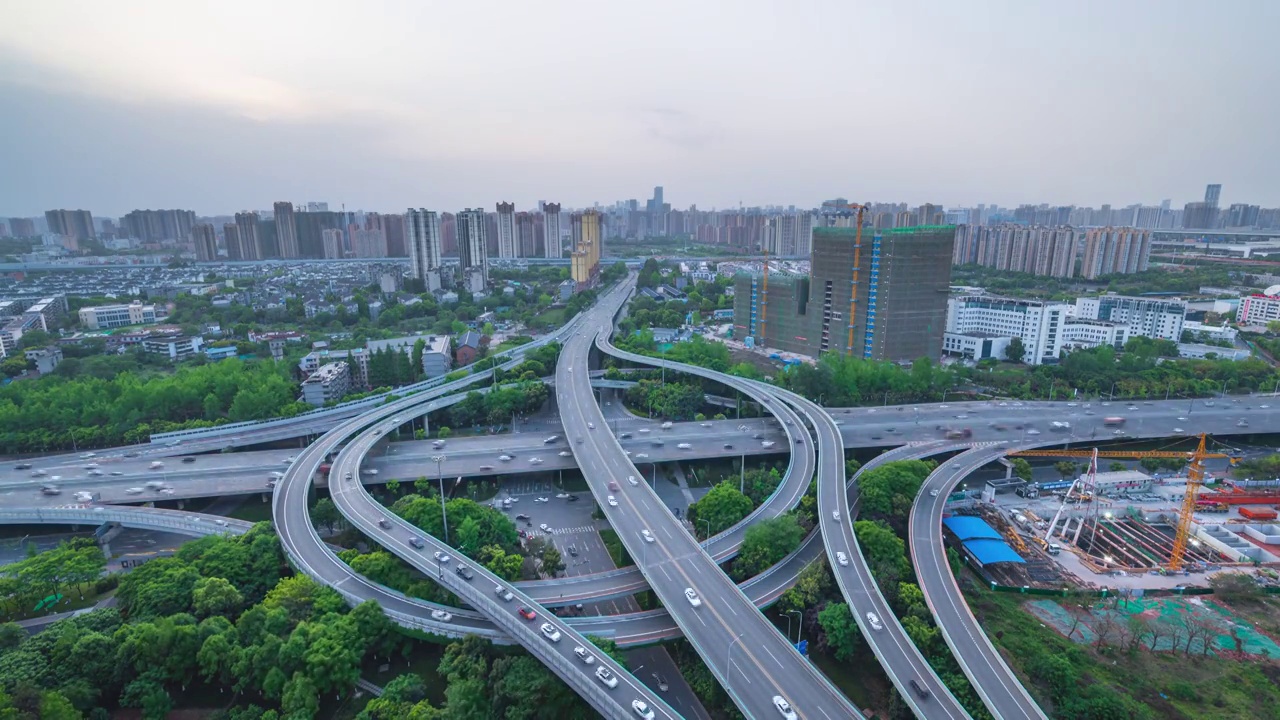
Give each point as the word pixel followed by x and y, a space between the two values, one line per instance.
pixel 384 105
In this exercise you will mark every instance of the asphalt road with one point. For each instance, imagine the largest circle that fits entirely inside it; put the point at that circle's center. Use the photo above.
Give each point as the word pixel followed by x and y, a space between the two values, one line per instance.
pixel 765 664
pixel 995 683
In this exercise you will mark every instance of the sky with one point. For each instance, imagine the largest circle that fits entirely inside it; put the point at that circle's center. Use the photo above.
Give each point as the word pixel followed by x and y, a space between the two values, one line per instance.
pixel 232 105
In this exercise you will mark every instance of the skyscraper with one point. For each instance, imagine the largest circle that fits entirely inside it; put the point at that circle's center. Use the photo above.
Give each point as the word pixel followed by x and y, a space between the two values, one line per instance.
pixel 231 236
pixel 22 227
pixel 250 239
pixel 526 235
pixel 286 230
pixel 1110 251
pixel 422 235
pixel 367 243
pixel 587 239
pixel 656 210
pixel 76 224
pixel 153 226
pixel 392 227
pixel 333 240
pixel 508 241
pixel 473 246
pixel 1211 194
pixel 205 239
pixel 551 246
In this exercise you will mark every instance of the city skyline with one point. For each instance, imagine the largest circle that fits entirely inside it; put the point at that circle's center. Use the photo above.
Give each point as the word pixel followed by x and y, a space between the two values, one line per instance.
pixel 192 106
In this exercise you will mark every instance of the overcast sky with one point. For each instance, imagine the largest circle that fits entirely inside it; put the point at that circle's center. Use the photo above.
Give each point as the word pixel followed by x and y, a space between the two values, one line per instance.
pixel 231 105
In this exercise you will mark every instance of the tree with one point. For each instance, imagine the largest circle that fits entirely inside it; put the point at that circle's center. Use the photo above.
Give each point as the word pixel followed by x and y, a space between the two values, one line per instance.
pixel 1065 468
pixel 325 513
pixel 890 489
pixel 150 696
pixel 1117 466
pixel 215 596
pixel 1021 468
pixel 841 630
pixel 443 432
pixel 552 562
pixel 718 510
pixel 1235 587
pixel 765 543
pixel 1015 351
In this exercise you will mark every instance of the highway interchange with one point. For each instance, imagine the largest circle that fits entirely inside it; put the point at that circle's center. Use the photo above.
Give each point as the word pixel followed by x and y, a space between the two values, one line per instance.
pixel 604 458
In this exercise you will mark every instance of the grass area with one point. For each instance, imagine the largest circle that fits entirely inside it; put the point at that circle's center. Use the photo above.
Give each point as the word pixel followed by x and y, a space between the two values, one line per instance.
pixel 253 510
pixel 71 600
pixel 616 551
pixel 551 318
pixel 1136 684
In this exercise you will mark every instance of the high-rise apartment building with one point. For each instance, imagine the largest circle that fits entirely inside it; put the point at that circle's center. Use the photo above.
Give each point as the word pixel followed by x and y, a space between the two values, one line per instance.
pixel 1211 194
pixel 286 230
pixel 526 235
pixel 508 241
pixel 334 241
pixel 231 238
pixel 153 226
pixel 1199 216
pixel 393 228
pixel 656 214
pixel 367 243
pixel 22 227
pixel 885 299
pixel 250 236
pixel 422 235
pixel 1039 250
pixel 551 231
pixel 473 245
pixel 77 224
pixel 588 239
pixel 1110 251
pixel 205 239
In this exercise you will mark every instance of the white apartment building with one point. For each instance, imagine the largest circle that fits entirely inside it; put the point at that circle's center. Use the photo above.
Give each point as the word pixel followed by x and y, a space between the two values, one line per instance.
pixel 174 348
pixel 982 326
pixel 508 240
pixel 422 235
pixel 328 383
pixel 1115 250
pixel 1218 333
pixel 1148 317
pixel 1260 308
pixel 103 317
pixel 1080 333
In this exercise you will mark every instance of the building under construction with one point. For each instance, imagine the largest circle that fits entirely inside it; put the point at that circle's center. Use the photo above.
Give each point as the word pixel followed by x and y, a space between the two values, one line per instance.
pixel 883 298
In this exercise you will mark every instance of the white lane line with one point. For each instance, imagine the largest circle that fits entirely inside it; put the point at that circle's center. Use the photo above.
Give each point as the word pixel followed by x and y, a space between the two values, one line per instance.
pixel 663 568
pixel 775 659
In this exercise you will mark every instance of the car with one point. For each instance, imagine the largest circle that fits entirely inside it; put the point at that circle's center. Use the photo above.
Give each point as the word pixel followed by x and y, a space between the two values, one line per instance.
pixel 38 473
pixel 632 480
pixel 586 657
pixel 86 456
pixel 134 491
pixel 550 632
pixel 572 498
pixel 544 528
pixel 131 454
pixel 705 424
pixel 441 558
pixel 684 446
pixel 1208 403
pixel 167 491
pixel 1033 431
pixel 573 550
pixel 835 515
pixel 464 572
pixel 799 441
pixel 642 456
pixel 1265 407
pixel 624 436
pixel 1071 404
pixel 934 492
pixel 1243 423
pixel 842 559
pixel 416 541
pixel 527 614
pixel 1183 419
pixel 644 430
pixel 535 461
pixel 441 615
pixel 692 597
pixel 22 466
pixel 503 593
pixel 504 458
pixel 91 466
pixel 522 516
pixel 874 621
pixel 384 523
pixel 606 677
pixel 661 680
pixel 437 444
pixel 95 472
pixel 742 428
pixel 562 496
pixel 784 707
pixel 728 446
pixel 591 426
pixel 613 485
pixel 579 441
pixel 920 689
pixel 565 453
pixel 642 709
pixel 648 536
pixel 551 439
pixel 613 501
pixel 188 459
pixel 767 443
pixel 486 467
pixel 1178 431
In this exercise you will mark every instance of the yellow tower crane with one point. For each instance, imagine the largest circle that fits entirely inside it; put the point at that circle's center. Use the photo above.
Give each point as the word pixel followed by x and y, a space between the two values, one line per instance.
pixel 857 261
pixel 1195 478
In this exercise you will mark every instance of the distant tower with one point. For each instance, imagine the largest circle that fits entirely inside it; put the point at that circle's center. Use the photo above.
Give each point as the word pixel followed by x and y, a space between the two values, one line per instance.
pixel 508 242
pixel 422 235
pixel 1211 195
pixel 551 231
pixel 286 230
pixel 473 246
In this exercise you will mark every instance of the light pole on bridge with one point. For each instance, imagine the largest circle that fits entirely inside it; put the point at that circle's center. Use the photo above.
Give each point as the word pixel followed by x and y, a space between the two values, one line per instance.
pixel 444 514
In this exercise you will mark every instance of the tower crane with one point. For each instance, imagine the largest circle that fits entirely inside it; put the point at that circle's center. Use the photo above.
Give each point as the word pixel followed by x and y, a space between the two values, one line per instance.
pixel 857 260
pixel 1195 478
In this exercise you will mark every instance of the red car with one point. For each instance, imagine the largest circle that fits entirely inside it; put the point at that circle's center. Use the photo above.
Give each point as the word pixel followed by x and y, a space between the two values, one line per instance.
pixel 528 614
pixel 613 485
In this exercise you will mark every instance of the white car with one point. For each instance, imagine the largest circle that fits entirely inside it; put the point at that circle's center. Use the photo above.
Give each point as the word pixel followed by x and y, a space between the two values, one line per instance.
pixel 541 499
pixel 842 559
pixel 692 597
pixel 134 491
pixel 934 492
pixel 1179 431
pixel 644 430
pixel 835 515
pixel 91 466
pixel 1265 407
pixel 441 615
pixel 642 456
pixel 502 593
pixel 504 458
pixel 705 424
pixel 767 443
pixel 666 425
pixel 544 528
pixel 874 620
pixel 642 709
pixel 550 632
pixel 684 446
pixel 784 707
pixel 535 461
pixel 565 453
pixel 1033 431
pixel 591 426
pixel 586 657
pixel 441 558
pixel 84 497
pixel 632 479
pixel 1182 419
pixel 561 496
pixel 613 501
pixel 648 536
pixel 606 677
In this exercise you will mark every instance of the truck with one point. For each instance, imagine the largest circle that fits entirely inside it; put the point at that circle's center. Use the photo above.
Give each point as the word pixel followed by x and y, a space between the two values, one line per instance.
pixel 959 434
pixel 1053 548
pixel 1113 421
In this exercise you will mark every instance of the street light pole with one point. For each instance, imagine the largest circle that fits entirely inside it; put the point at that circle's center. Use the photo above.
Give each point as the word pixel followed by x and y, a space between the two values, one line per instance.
pixel 742 479
pixel 444 514
pixel 799 625
pixel 728 655
pixel 708 537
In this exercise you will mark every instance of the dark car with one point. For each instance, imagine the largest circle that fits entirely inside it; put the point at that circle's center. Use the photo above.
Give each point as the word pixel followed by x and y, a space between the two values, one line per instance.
pixel 920 689
pixel 22 466
pixel 573 550
pixel 522 516
pixel 188 459
pixel 464 572
pixel 417 542
pixel 728 446
pixel 573 498
pixel 384 523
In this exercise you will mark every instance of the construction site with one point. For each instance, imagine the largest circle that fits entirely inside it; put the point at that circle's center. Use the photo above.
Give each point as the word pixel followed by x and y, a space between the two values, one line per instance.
pixel 1099 527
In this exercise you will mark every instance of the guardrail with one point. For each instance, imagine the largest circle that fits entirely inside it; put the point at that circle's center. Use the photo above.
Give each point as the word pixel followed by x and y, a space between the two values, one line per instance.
pixel 145 518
